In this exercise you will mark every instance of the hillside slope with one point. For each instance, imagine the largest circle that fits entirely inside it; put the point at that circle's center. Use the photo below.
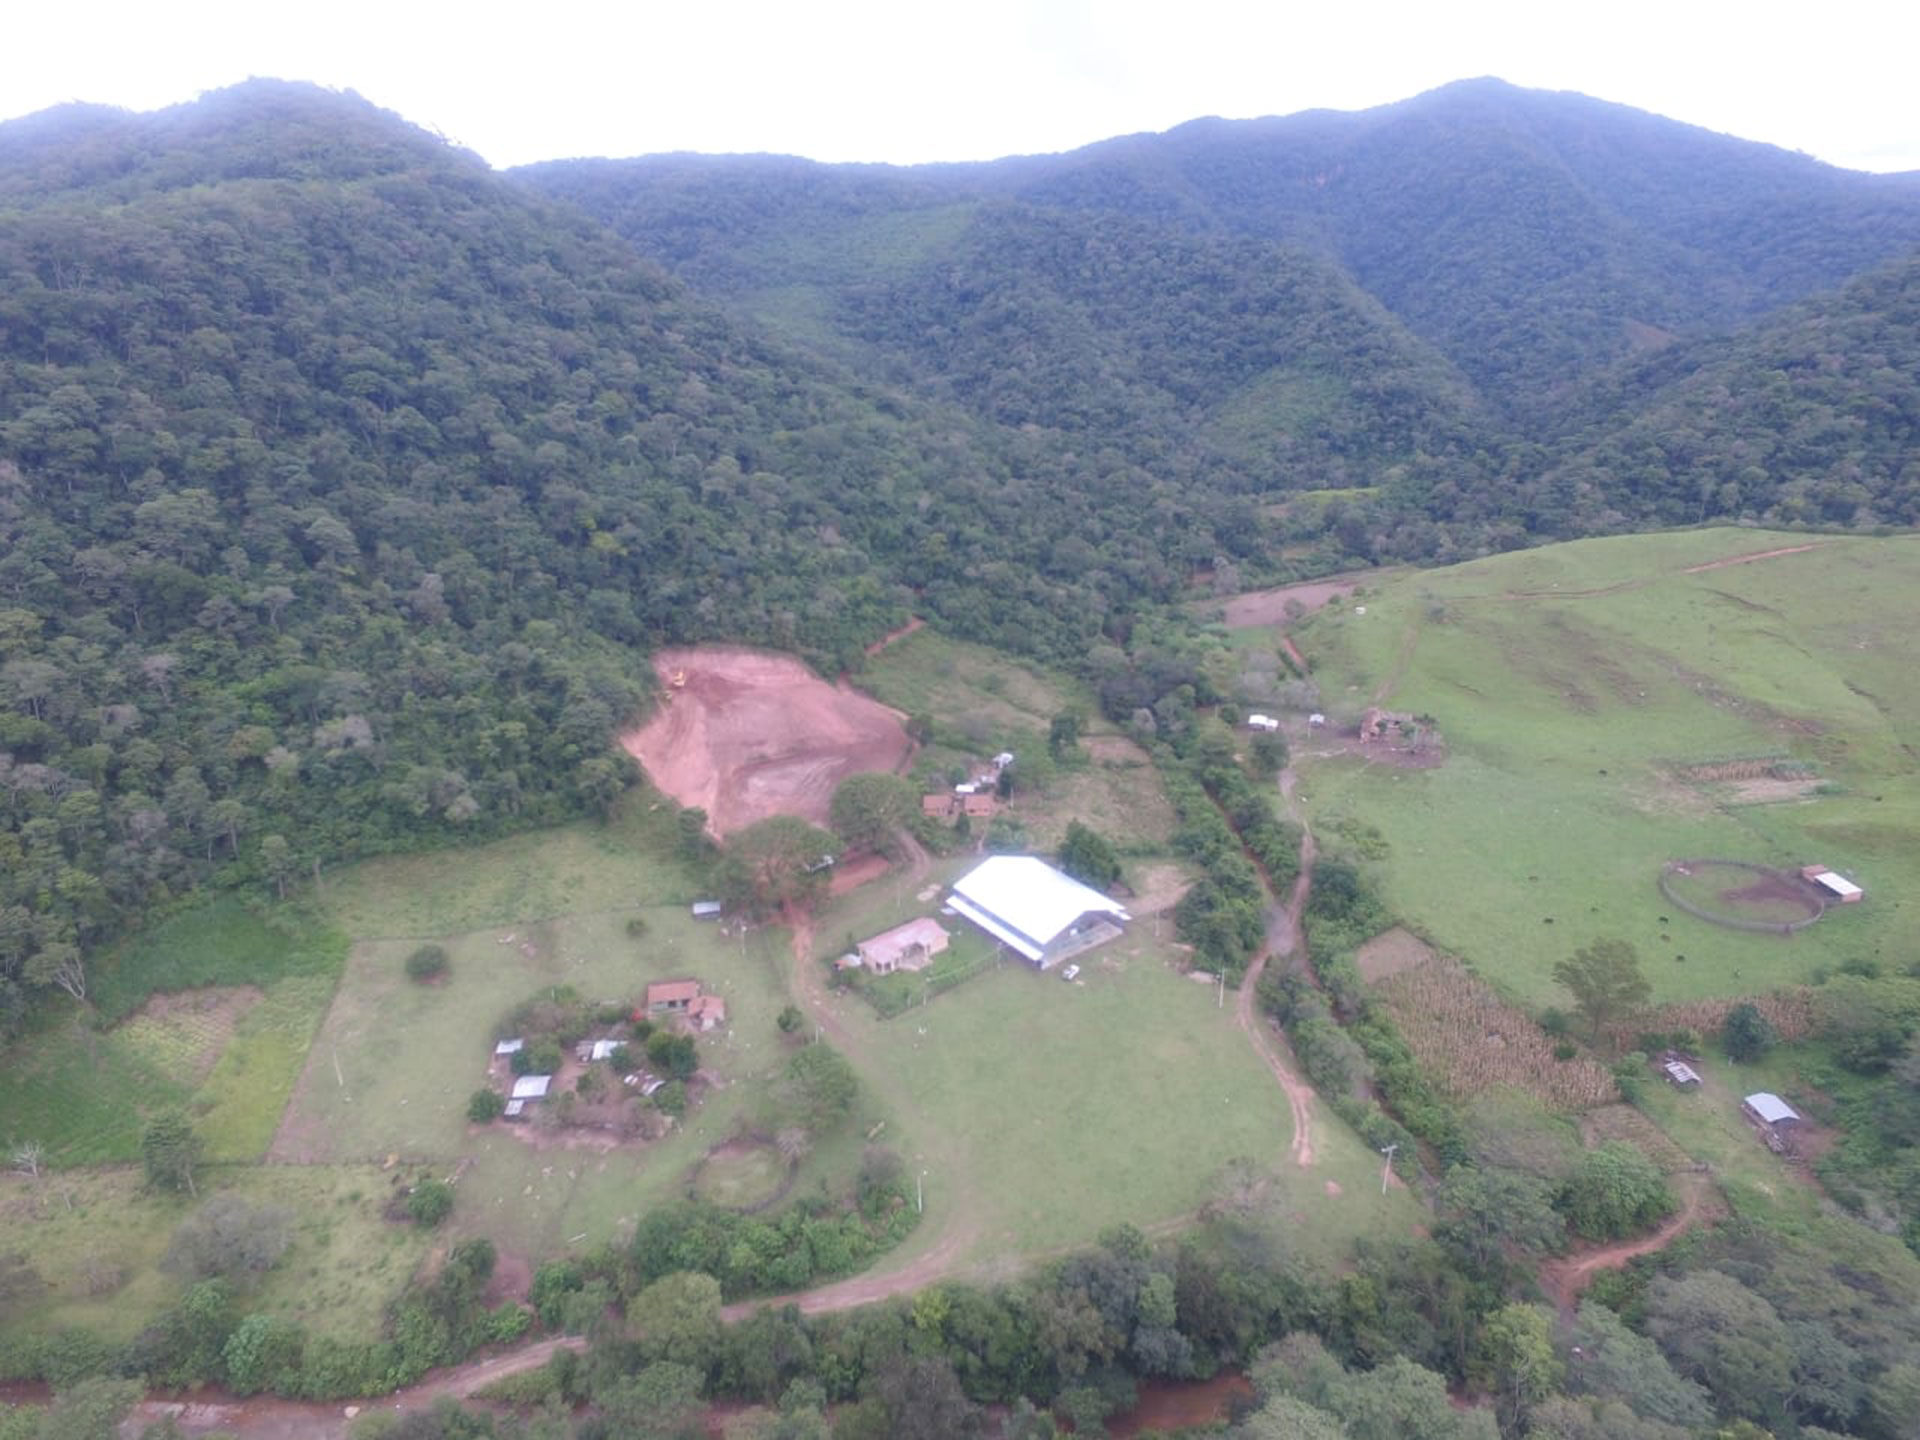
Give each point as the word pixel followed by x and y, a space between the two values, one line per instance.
pixel 343 486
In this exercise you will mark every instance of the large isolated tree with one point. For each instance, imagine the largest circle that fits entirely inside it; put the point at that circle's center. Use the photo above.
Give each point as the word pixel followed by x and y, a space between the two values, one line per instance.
pixel 1085 855
pixel 1605 981
pixel 779 862
pixel 868 810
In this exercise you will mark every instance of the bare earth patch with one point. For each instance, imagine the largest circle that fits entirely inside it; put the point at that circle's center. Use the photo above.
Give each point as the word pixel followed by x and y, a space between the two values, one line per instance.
pixel 1390 952
pixel 1269 607
pixel 749 734
pixel 189 1029
pixel 1768 791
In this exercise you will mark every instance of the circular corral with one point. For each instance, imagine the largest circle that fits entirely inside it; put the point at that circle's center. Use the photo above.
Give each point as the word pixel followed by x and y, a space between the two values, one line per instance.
pixel 747 1174
pixel 1742 895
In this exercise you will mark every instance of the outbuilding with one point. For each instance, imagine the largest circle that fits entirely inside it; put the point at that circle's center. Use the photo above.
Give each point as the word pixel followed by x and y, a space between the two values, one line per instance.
pixel 707 909
pixel 1258 721
pixel 1681 1074
pixel 531 1087
pixel 1833 884
pixel 1770 1111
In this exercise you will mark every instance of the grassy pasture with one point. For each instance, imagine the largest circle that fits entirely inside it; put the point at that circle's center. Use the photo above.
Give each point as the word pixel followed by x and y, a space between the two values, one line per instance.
pixel 1046 1111
pixel 1570 684
pixel 86 1092
pixel 97 1237
pixel 392 1068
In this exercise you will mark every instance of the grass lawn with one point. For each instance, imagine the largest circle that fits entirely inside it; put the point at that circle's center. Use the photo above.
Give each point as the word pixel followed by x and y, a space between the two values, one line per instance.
pixel 1045 1111
pixel 586 867
pixel 1570 684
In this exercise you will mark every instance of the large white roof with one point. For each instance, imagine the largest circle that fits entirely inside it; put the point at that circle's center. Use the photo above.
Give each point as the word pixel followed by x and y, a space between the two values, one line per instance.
pixel 1771 1108
pixel 1027 902
pixel 531 1087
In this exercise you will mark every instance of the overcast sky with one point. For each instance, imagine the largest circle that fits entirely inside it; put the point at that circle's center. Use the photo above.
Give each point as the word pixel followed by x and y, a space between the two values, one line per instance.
pixel 903 82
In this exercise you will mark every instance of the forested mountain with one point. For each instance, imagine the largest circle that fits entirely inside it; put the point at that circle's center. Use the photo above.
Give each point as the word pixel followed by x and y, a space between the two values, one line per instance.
pixel 1529 236
pixel 1810 416
pixel 344 486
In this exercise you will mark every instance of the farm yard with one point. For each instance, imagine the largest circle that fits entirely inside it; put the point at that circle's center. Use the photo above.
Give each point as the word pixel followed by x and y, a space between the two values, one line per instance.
pixel 1132 1091
pixel 982 702
pixel 1576 685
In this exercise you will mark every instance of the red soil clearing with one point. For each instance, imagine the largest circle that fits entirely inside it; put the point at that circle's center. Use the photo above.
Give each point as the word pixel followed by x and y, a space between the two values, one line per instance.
pixel 753 734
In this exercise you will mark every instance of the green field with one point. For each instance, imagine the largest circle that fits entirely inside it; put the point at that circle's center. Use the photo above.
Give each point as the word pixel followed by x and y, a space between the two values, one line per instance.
pixel 1043 1111
pixel 1573 685
pixel 96 1236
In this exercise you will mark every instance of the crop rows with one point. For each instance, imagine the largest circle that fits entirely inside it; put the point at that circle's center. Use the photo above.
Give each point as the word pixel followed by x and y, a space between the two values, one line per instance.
pixel 1471 1040
pixel 1791 1012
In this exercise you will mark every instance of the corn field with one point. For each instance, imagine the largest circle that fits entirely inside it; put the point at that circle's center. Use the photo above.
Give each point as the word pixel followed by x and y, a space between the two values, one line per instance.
pixel 1791 1013
pixel 1470 1040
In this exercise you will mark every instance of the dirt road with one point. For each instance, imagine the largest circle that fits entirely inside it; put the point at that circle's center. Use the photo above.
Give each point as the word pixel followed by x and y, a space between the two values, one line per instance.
pixel 1565 1277
pixel 1283 938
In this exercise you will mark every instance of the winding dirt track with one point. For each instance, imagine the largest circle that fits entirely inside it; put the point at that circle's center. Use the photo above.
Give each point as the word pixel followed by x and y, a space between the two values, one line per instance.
pixel 1565 1277
pixel 1283 938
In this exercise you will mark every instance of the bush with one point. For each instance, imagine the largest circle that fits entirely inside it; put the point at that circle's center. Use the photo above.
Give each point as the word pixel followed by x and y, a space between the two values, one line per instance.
pixel 544 1057
pixel 430 1203
pixel 1747 1034
pixel 485 1105
pixel 429 962
pixel 671 1099
pixel 636 926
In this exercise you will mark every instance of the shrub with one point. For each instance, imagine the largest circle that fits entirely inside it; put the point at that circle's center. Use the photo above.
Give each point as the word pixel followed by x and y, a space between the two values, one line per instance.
pixel 544 1056
pixel 429 962
pixel 621 1059
pixel 430 1203
pixel 485 1105
pixel 1747 1034
pixel 671 1099
pixel 636 926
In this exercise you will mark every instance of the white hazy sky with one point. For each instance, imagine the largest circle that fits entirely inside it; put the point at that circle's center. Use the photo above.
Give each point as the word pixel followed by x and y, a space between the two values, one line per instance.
pixel 902 82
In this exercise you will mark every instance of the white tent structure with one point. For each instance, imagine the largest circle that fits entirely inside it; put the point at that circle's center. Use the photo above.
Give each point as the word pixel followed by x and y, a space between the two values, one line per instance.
pixel 1026 904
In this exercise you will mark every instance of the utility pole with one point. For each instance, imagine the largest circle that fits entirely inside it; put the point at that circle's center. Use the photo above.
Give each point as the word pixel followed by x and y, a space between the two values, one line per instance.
pixel 1386 1171
pixel 919 1193
pixel 1221 1003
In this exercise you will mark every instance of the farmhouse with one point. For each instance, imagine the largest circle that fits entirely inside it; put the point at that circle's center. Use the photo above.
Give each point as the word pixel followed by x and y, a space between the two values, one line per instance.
pixel 671 997
pixel 1831 883
pixel 706 1012
pixel 1025 903
pixel 911 946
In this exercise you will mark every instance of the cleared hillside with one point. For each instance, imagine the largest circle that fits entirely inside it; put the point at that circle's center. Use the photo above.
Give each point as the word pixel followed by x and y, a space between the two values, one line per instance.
pixel 1591 697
